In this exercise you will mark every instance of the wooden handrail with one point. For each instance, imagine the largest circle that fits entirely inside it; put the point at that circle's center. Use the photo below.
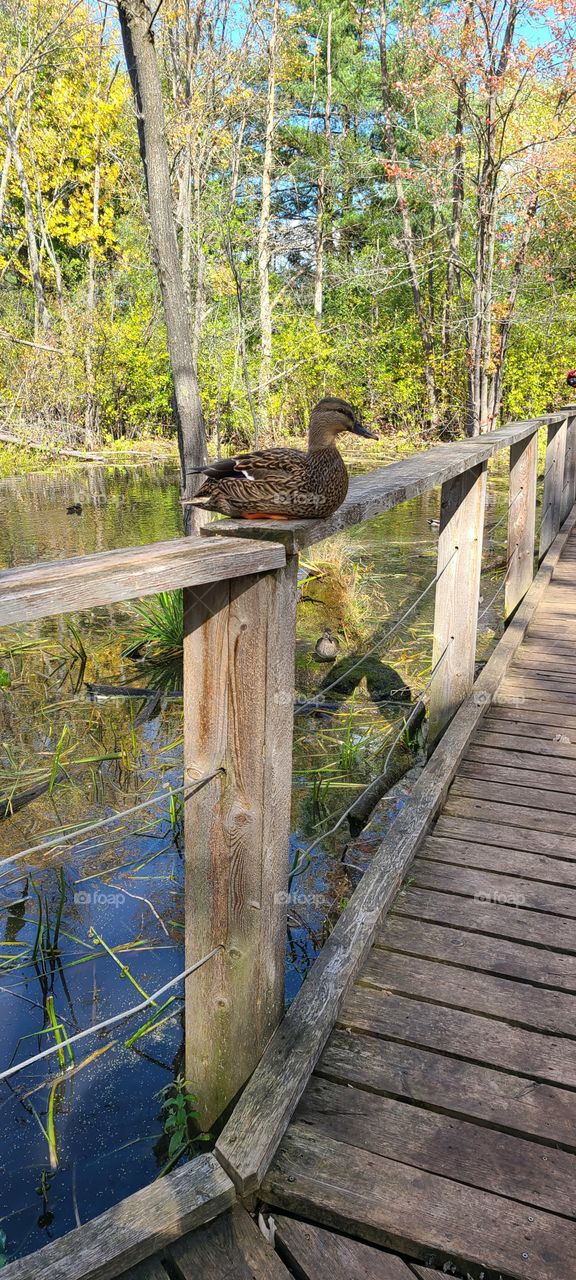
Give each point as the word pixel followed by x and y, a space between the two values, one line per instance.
pixel 380 490
pixel 63 586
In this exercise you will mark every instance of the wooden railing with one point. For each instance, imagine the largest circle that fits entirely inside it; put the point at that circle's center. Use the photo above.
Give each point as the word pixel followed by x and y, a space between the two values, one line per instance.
pixel 240 591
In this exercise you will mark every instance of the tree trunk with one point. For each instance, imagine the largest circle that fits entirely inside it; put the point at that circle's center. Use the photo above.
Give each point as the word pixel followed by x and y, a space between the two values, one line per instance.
pixel 407 233
pixel 506 325
pixel 323 201
pixel 264 226
pixel 138 41
pixel 41 313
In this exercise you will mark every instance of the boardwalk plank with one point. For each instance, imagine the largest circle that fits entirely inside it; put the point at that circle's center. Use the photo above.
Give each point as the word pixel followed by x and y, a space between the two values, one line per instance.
pixel 505 836
pixel 534 927
pixel 516 1002
pixel 403 1208
pixel 317 1254
pixel 506 793
pixel 534 761
pixel 488 886
pixel 511 814
pixel 479 1038
pixel 446 1145
pixel 556 720
pixel 511 862
pixel 491 772
pixel 232 1246
pixel 521 740
pixel 135 1229
pixel 150 1270
pixel 477 951
pixel 455 1086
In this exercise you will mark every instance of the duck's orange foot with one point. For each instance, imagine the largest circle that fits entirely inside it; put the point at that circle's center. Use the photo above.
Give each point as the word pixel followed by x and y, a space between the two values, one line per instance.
pixel 258 515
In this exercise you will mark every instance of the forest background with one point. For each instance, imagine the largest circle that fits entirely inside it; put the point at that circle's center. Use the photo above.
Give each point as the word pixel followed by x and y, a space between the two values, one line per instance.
pixel 371 200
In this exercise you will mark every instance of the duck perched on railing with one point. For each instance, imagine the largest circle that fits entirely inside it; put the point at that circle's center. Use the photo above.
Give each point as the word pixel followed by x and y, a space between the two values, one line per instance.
pixel 285 484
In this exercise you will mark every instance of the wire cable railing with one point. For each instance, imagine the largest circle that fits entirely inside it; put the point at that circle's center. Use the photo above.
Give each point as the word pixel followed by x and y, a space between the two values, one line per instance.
pixel 305 853
pixel 391 631
pixel 112 1021
pixel 58 842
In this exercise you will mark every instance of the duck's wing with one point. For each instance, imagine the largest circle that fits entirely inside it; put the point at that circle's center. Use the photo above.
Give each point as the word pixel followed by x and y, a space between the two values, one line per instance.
pixel 262 464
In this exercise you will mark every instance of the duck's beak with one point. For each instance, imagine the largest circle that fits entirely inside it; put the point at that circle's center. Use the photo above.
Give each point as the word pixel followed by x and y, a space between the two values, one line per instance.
pixel 359 430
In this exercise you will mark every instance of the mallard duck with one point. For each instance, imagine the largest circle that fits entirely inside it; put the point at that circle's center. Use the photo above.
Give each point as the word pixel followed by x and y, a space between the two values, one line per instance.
pixel 285 484
pixel 326 648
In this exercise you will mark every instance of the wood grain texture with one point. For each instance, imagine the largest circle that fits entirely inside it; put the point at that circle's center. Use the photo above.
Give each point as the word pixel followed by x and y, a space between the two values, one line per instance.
pixel 496 918
pixel 496 771
pixel 447 1145
pixel 134 1229
pixel 230 1248
pixel 251 1135
pixel 569 489
pixel 317 1254
pixel 491 886
pixel 456 600
pixel 415 1212
pixel 510 793
pixel 521 522
pixel 65 586
pixel 152 1269
pixel 478 951
pixel 239 698
pixel 513 812
pixel 553 483
pixel 488 1041
pixel 521 1003
pixel 455 1086
pixel 558 757
pixel 505 836
pixel 511 862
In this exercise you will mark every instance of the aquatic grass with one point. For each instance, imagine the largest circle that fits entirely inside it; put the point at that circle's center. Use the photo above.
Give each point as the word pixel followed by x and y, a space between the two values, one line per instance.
pixel 124 970
pixel 159 629
pixel 153 1023
pixel 48 1130
pixel 59 1033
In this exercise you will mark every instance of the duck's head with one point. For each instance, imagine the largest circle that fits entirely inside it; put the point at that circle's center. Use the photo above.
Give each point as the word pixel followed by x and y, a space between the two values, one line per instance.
pixel 331 416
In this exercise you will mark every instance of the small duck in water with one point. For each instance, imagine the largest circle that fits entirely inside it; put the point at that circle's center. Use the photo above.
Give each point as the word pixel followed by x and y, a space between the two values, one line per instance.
pixel 327 647
pixel 285 484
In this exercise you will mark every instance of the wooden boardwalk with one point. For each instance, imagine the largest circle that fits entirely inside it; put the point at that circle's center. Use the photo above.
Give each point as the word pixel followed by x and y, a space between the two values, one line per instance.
pixel 437 1134
pixel 441 1118
pixel 413 1114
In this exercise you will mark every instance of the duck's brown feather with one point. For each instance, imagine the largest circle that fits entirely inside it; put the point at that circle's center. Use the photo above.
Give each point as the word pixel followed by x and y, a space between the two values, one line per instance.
pixel 283 482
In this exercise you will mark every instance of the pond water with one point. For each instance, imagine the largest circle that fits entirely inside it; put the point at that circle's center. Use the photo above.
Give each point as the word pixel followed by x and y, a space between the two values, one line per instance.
pixel 83 932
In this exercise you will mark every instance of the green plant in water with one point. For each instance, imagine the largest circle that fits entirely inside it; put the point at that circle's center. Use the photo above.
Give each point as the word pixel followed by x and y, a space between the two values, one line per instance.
pixel 178 1114
pixel 5 680
pixel 159 631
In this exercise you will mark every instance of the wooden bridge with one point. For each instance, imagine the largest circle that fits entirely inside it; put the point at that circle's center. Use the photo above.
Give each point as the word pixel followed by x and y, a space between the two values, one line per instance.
pixel 413 1114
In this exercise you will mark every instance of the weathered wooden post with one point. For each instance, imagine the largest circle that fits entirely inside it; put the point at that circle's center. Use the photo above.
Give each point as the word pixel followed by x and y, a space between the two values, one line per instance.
pixel 553 484
pixel 569 489
pixel 521 521
pixel 238 717
pixel 456 604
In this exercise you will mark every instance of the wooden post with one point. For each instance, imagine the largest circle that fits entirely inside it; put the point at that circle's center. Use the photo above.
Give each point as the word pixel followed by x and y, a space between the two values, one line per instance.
pixel 457 591
pixel 553 484
pixel 569 489
pixel 521 521
pixel 238 717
